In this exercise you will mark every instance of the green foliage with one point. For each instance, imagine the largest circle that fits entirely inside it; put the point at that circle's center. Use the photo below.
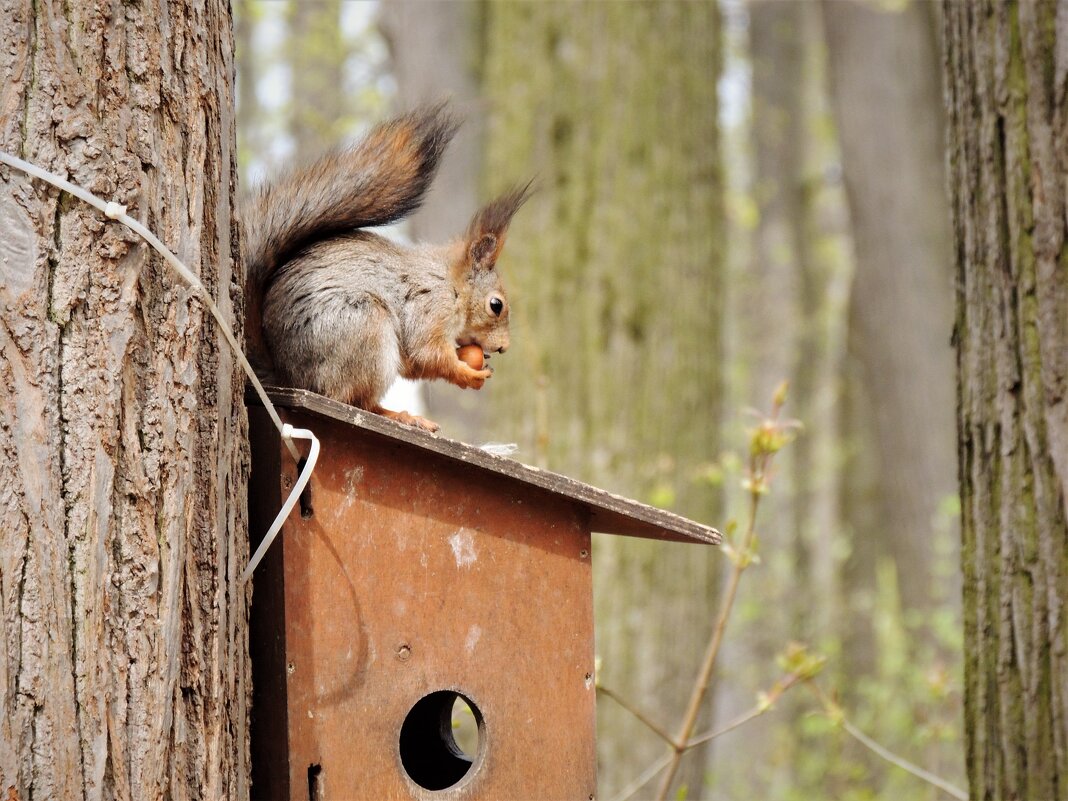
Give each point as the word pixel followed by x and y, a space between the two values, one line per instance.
pixel 798 660
pixel 911 704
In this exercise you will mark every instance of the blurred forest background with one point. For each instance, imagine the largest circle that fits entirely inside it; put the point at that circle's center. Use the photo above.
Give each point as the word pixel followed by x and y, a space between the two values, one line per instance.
pixel 730 195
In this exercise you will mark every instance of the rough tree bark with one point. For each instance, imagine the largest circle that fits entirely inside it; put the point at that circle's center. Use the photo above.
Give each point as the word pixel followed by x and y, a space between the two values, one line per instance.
pixel 122 522
pixel 615 270
pixel 1006 75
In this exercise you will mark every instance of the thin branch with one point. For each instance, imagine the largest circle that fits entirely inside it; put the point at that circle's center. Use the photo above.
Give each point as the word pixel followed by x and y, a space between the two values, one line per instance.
pixel 704 678
pixel 741 720
pixel 835 713
pixel 758 710
pixel 647 776
pixel 790 680
pixel 904 764
pixel 767 439
pixel 656 729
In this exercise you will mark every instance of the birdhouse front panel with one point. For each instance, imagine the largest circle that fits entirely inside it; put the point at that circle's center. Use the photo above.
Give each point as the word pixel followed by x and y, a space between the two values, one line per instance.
pixel 420 594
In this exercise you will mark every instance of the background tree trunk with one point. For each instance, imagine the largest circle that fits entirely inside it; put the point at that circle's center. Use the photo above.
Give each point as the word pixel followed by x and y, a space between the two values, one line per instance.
pixel 316 53
pixel 785 299
pixel 249 64
pixel 615 271
pixel 764 320
pixel 1008 155
pixel 437 55
pixel 769 287
pixel 123 522
pixel 898 377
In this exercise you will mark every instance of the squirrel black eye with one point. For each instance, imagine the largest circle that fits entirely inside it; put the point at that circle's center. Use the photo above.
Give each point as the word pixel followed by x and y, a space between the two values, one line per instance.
pixel 496 305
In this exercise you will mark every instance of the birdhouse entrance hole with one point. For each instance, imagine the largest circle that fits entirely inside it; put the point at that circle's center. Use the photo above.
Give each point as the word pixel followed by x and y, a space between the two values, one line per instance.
pixel 429 751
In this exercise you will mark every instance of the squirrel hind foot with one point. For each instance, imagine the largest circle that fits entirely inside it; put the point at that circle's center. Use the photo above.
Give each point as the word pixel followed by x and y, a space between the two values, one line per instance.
pixel 407 419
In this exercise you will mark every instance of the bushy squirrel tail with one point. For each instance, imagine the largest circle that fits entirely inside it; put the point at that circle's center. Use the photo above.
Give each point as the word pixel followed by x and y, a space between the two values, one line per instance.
pixel 379 180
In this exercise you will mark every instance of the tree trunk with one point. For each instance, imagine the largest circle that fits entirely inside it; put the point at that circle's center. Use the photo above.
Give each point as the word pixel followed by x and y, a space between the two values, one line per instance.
pixel 615 270
pixel 769 288
pixel 782 309
pixel 122 660
pixel 884 80
pixel 1008 156
pixel 765 316
pixel 436 54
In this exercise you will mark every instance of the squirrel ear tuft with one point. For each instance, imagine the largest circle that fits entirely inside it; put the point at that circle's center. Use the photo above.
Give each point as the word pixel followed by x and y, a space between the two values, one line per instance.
pixel 485 234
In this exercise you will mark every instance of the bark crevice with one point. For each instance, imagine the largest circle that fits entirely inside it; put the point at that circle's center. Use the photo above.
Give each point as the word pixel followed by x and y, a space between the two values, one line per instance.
pixel 28 92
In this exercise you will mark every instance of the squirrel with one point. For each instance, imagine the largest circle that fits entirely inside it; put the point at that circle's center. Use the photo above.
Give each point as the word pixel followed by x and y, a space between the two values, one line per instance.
pixel 336 309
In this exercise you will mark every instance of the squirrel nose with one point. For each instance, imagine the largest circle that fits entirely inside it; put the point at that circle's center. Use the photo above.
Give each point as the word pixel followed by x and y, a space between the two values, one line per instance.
pixel 502 348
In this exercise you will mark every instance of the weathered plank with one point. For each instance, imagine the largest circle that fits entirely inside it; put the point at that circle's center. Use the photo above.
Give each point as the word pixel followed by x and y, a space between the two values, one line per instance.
pixel 610 513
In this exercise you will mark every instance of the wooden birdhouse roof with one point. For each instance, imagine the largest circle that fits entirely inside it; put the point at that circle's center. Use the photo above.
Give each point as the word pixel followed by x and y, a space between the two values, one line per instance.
pixel 609 513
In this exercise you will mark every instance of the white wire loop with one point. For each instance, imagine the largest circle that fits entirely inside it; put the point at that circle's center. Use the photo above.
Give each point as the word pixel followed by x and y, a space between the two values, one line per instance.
pixel 302 480
pixel 117 211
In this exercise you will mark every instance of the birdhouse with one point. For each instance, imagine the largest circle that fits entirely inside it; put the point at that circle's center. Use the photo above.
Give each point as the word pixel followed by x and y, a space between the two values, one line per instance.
pixel 423 628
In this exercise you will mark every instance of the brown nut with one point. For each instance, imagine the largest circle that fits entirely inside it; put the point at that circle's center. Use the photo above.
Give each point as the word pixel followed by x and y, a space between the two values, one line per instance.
pixel 472 356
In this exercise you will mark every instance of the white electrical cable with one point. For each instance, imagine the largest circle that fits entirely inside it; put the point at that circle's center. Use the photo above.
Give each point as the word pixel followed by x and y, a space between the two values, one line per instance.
pixel 117 211
pixel 302 480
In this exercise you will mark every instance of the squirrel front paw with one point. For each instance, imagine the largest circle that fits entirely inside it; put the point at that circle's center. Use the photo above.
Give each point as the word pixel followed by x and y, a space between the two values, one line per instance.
pixel 469 378
pixel 407 419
